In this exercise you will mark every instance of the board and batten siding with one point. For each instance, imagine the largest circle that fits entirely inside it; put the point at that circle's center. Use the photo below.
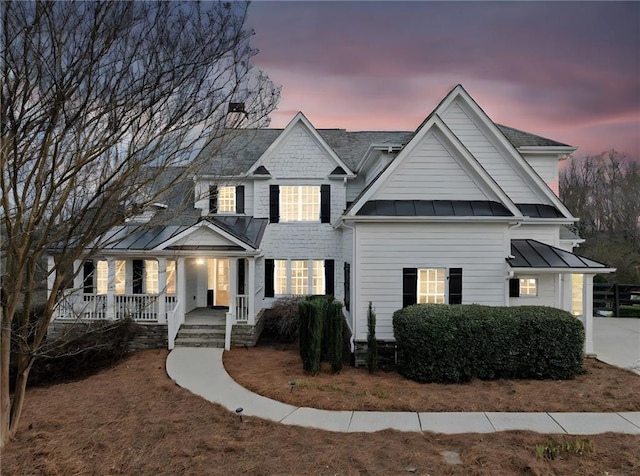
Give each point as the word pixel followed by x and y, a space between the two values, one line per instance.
pixel 498 165
pixel 383 250
pixel 430 172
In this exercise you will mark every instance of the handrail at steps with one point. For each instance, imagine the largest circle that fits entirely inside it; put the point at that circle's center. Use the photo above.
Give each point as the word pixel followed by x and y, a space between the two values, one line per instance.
pixel 173 326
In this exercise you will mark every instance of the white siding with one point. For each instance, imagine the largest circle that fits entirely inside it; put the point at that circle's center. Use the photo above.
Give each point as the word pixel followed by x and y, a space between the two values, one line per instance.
pixel 384 249
pixel 498 165
pixel 547 285
pixel 300 156
pixel 548 234
pixel 546 167
pixel 430 172
pixel 203 236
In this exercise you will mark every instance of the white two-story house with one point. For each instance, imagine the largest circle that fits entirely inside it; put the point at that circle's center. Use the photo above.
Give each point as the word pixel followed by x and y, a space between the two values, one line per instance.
pixel 461 210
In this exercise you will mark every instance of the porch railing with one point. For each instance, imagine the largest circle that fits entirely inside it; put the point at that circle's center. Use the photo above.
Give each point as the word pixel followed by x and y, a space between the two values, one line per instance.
pixel 141 307
pixel 174 321
pixel 242 308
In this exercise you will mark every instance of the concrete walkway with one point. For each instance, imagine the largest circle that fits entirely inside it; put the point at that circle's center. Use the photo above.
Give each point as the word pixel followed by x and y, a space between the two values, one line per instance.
pixel 617 341
pixel 201 371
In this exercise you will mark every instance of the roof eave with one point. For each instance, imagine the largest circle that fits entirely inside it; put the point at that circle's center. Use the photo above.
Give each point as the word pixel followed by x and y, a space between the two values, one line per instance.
pixel 431 219
pixel 530 269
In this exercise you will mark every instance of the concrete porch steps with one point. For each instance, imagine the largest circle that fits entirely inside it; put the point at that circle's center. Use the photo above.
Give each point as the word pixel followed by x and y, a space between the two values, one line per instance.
pixel 201 335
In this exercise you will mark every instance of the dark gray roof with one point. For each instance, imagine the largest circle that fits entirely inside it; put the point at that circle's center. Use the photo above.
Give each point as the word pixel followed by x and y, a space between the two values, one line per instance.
pixel 520 138
pixel 535 210
pixel 534 254
pixel 433 208
pixel 139 237
pixel 248 229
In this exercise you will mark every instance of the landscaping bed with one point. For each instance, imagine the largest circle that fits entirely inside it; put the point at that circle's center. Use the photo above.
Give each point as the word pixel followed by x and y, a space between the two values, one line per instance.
pixel 269 370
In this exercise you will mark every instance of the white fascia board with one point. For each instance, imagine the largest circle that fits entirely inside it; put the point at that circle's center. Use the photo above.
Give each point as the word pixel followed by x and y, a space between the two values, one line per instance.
pixel 299 118
pixel 150 254
pixel 562 151
pixel 459 91
pixel 562 270
pixel 549 221
pixel 366 159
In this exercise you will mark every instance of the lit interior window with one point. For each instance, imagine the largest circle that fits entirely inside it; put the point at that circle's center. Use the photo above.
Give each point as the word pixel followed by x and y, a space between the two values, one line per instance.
pixel 171 277
pixel 151 276
pixel 120 276
pixel 576 294
pixel 102 277
pixel 299 277
pixel 300 203
pixel 280 278
pixel 318 277
pixel 227 200
pixel 528 287
pixel 431 286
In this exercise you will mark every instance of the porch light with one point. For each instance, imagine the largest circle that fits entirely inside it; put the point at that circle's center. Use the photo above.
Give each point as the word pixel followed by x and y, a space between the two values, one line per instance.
pixel 200 261
pixel 239 412
pixel 292 385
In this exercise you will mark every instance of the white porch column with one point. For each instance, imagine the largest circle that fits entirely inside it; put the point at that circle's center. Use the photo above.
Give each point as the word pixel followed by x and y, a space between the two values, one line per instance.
pixel 181 287
pixel 233 287
pixel 251 290
pixel 162 290
pixel 51 277
pixel 111 288
pixel 78 276
pixel 587 311
pixel 566 288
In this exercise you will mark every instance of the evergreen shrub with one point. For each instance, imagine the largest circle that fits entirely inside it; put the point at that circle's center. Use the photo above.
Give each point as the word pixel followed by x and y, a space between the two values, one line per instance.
pixel 456 343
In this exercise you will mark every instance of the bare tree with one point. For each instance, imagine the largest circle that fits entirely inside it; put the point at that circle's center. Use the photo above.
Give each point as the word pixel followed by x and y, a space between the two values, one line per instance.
pixel 604 192
pixel 98 101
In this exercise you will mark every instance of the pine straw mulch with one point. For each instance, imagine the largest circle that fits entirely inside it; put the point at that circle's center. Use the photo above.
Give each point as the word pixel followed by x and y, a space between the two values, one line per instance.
pixel 132 419
pixel 268 370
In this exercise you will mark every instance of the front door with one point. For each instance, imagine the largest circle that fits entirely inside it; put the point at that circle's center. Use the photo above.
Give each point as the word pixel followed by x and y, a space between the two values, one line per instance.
pixel 218 282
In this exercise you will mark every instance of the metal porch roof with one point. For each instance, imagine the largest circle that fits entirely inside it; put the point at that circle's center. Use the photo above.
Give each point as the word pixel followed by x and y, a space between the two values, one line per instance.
pixel 534 254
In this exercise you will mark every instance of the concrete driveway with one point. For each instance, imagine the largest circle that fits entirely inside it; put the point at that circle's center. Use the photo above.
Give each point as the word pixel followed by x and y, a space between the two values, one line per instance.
pixel 617 341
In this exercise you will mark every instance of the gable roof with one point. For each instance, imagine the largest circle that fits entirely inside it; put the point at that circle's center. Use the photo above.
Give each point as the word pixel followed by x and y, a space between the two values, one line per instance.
pixel 300 119
pixel 519 138
pixel 480 175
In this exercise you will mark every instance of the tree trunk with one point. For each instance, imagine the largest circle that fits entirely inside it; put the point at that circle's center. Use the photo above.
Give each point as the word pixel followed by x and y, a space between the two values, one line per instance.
pixel 5 401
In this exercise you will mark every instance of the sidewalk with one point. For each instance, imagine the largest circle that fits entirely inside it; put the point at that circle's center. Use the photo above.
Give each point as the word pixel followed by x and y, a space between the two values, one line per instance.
pixel 201 371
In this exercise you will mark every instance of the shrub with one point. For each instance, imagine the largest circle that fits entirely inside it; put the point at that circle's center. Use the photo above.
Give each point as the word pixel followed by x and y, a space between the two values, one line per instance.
pixel 311 313
pixel 372 343
pixel 96 347
pixel 456 343
pixel 281 321
pixel 334 322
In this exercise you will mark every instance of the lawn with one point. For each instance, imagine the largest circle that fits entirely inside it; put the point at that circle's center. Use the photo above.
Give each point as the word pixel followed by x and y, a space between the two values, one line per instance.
pixel 132 419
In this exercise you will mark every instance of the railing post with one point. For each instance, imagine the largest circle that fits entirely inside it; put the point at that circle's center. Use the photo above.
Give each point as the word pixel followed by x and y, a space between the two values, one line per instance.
pixel 162 288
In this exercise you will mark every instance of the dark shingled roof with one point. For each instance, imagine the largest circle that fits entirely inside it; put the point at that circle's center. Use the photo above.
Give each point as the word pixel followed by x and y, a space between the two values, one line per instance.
pixel 520 138
pixel 433 208
pixel 247 229
pixel 245 146
pixel 534 254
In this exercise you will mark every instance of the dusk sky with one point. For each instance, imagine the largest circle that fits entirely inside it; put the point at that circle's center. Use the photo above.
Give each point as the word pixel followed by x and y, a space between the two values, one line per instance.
pixel 567 71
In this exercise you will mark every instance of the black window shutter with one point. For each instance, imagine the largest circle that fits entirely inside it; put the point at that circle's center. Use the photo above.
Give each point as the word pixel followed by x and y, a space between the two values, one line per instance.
pixel 347 286
pixel 514 287
pixel 455 286
pixel 87 283
pixel 329 277
pixel 138 273
pixel 213 199
pixel 409 286
pixel 274 203
pixel 241 263
pixel 325 203
pixel 268 278
pixel 240 199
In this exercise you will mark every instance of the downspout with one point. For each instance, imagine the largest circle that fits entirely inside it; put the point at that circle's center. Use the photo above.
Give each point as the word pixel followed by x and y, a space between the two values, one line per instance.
pixel 352 344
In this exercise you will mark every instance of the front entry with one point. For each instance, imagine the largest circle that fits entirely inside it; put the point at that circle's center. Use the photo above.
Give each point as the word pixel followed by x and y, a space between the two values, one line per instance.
pixel 217 282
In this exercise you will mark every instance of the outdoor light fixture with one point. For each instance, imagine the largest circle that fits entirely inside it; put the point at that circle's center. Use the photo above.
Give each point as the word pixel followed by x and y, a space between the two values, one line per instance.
pixel 239 412
pixel 199 261
pixel 292 385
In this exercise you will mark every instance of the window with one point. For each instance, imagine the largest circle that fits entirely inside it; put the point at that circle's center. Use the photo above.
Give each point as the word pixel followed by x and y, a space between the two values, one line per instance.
pixel 226 200
pixel 528 287
pixel 151 276
pixel 120 276
pixel 299 277
pixel 102 277
pixel 280 278
pixel 171 277
pixel 431 284
pixel 300 203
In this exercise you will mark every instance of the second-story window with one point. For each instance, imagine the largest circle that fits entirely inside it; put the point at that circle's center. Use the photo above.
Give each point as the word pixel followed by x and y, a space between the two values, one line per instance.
pixel 226 199
pixel 300 203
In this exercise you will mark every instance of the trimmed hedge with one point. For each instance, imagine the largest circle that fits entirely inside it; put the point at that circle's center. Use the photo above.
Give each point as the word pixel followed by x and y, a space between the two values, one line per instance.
pixel 456 343
pixel 629 311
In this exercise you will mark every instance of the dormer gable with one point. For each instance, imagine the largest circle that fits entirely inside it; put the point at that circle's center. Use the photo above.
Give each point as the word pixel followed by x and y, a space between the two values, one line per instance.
pixel 300 152
pixel 435 165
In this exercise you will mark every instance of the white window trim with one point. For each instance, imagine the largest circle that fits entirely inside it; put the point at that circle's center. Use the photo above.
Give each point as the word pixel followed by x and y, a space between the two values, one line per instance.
pixel 288 276
pixel 299 204
pixel 526 295
pixel 445 294
pixel 228 200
